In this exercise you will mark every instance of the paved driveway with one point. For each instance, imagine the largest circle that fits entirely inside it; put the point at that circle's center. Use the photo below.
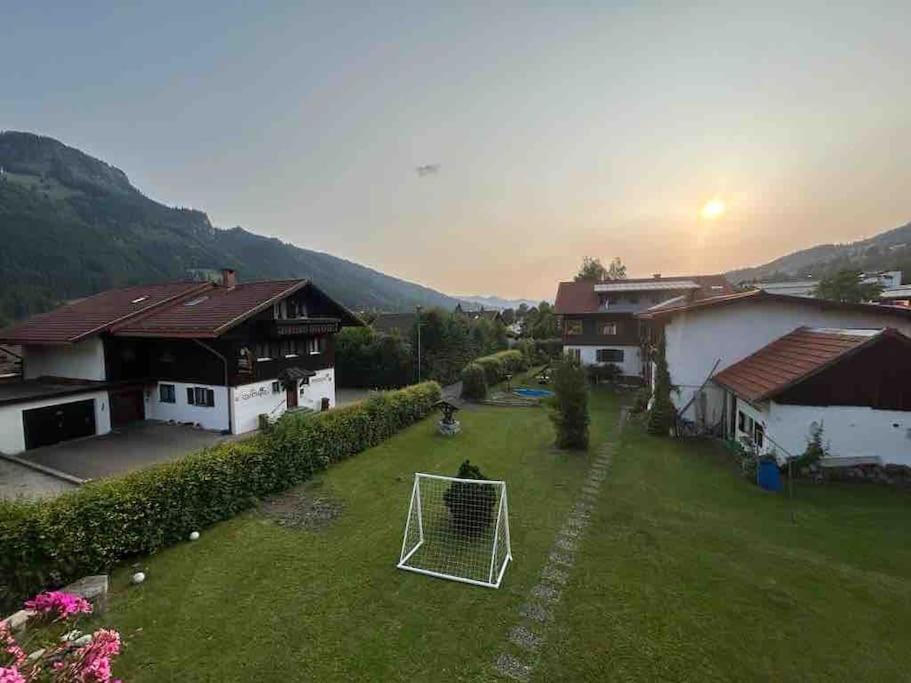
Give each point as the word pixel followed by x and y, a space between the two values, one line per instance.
pixel 19 481
pixel 130 448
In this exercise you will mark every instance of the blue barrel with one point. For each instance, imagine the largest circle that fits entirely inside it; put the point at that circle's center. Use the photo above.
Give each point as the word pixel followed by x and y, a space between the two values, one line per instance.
pixel 767 475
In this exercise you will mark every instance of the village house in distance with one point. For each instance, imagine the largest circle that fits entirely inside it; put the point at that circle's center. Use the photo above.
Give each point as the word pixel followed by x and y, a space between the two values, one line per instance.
pixel 218 355
pixel 599 324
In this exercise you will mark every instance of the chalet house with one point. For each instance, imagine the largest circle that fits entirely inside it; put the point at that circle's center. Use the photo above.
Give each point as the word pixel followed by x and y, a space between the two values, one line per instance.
pixel 704 338
pixel 854 384
pixel 401 324
pixel 214 354
pixel 481 313
pixel 599 324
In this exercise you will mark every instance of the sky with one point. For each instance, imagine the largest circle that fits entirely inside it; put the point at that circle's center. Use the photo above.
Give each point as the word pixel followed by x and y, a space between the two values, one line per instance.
pixel 560 130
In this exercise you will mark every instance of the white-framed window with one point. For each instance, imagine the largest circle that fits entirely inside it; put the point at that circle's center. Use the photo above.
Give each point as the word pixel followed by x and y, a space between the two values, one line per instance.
pixel 575 354
pixel 276 387
pixel 609 355
pixel 201 396
pixel 314 345
pixel 166 393
pixel 280 310
pixel 573 327
pixel 262 351
pixel 609 329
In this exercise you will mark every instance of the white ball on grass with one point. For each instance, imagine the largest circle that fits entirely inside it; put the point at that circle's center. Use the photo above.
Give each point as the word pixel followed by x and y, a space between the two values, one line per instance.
pixel 194 535
pixel 138 578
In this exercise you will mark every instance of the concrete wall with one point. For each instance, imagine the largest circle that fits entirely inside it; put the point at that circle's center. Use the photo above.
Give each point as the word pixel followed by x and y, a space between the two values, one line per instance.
pixel 631 365
pixel 214 418
pixel 84 360
pixel 849 431
pixel 252 400
pixel 12 432
pixel 695 340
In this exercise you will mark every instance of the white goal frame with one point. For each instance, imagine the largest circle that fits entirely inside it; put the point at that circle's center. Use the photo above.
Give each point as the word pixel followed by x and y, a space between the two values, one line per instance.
pixel 415 521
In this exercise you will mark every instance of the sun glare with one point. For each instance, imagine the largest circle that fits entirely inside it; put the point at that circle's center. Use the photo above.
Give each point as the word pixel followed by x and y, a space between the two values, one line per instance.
pixel 714 208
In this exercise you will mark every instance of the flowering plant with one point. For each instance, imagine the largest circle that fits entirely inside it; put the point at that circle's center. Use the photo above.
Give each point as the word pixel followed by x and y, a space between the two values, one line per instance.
pixel 74 657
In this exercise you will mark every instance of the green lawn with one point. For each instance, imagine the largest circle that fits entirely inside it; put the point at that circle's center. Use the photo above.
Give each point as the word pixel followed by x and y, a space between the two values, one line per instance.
pixel 690 572
pixel 253 600
pixel 686 572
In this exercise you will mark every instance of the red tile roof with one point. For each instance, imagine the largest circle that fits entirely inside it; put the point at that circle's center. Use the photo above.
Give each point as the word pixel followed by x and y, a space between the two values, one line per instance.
pixel 580 297
pixel 95 314
pixel 792 359
pixel 212 312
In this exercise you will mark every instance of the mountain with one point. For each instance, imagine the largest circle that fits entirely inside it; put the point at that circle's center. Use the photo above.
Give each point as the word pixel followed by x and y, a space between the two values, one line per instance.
pixel 495 302
pixel 72 225
pixel 890 250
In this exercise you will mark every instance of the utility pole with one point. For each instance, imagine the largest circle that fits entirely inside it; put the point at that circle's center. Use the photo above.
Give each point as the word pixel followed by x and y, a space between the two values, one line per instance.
pixel 418 323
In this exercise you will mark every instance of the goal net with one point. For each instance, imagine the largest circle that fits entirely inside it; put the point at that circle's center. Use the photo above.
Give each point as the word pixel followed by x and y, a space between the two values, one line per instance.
pixel 457 529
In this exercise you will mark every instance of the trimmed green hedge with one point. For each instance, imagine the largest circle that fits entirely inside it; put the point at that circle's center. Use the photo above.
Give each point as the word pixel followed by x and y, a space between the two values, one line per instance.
pixel 474 382
pixel 50 543
pixel 498 365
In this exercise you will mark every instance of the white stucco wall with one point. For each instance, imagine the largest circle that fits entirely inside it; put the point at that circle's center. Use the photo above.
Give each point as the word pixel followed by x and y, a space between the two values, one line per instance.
pixel 214 418
pixel 84 360
pixel 252 400
pixel 12 432
pixel 321 385
pixel 631 365
pixel 849 431
pixel 696 339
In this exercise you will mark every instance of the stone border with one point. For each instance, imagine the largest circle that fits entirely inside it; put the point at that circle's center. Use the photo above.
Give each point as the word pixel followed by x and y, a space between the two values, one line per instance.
pixel 92 588
pixel 520 658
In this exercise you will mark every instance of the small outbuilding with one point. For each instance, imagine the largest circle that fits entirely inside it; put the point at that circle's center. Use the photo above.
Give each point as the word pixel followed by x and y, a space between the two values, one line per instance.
pixel 855 384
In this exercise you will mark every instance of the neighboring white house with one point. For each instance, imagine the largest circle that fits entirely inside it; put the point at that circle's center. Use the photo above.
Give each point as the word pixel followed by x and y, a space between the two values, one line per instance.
pixel 854 385
pixel 216 355
pixel 887 279
pixel 598 319
pixel 704 337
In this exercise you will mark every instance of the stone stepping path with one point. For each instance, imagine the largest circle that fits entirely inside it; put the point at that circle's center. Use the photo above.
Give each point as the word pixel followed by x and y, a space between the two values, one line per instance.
pixel 518 661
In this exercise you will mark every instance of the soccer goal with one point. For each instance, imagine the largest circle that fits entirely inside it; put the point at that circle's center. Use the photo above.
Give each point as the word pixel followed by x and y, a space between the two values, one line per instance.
pixel 457 529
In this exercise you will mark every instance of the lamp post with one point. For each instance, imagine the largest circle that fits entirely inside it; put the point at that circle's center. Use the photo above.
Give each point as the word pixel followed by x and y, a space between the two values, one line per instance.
pixel 418 324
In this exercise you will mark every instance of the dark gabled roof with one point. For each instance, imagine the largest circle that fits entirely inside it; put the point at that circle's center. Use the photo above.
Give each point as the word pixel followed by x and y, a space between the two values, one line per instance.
pixel 212 312
pixel 795 357
pixel 387 323
pixel 581 297
pixel 98 313
pixel 186 309
pixel 663 311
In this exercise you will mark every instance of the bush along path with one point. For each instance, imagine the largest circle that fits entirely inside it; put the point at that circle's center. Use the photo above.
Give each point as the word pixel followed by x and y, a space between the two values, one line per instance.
pixel 520 656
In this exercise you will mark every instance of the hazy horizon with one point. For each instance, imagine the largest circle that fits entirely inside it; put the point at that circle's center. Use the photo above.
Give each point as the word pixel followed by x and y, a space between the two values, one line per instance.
pixel 559 132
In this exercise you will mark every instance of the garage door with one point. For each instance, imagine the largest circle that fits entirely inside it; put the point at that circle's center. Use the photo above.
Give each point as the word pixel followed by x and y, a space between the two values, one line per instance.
pixel 44 426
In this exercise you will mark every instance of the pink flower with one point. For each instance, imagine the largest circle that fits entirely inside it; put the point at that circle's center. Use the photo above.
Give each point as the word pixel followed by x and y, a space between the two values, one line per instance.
pixel 95 658
pixel 58 603
pixel 10 646
pixel 11 675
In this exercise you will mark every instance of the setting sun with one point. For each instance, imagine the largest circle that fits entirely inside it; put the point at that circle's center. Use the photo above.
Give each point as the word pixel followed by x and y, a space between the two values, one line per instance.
pixel 714 208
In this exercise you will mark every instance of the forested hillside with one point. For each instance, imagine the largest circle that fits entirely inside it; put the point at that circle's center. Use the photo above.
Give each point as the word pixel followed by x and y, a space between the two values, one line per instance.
pixel 72 225
pixel 890 250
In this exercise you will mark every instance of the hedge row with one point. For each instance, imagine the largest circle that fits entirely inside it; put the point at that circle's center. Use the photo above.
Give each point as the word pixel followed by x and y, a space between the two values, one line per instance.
pixel 498 365
pixel 93 528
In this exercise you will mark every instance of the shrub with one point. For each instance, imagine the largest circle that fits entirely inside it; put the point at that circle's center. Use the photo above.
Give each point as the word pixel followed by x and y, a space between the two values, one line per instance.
pixel 470 505
pixel 816 449
pixel 570 405
pixel 663 413
pixel 640 400
pixel 474 382
pixel 497 365
pixel 94 527
pixel 549 349
pixel 609 372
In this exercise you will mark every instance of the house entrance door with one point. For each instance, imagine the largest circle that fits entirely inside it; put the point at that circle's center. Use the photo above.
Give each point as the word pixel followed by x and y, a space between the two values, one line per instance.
pixel 291 393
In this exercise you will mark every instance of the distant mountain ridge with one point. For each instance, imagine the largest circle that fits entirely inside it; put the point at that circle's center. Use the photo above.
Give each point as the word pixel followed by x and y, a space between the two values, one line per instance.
pixel 889 250
pixel 72 225
pixel 496 302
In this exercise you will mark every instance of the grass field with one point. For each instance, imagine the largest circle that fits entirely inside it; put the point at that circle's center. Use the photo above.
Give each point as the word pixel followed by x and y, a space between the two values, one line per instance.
pixel 686 572
pixel 690 572
pixel 252 600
